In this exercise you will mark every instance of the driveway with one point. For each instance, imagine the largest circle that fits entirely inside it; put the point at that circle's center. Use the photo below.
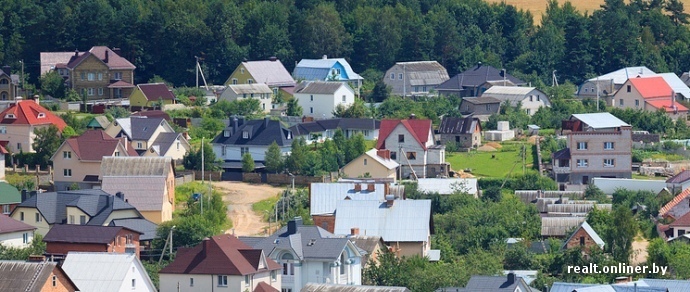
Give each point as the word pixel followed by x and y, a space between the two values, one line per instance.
pixel 240 197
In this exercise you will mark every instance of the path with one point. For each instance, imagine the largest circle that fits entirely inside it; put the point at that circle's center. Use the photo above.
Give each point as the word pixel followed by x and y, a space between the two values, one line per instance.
pixel 240 197
pixel 639 250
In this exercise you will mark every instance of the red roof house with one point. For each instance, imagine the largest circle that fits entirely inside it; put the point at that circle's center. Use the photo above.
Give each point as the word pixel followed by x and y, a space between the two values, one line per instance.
pixel 19 122
pixel 649 94
pixel 677 207
pixel 651 87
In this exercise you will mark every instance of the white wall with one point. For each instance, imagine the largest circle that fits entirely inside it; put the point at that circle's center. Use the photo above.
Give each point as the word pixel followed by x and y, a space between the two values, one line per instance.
pixel 16 239
pixel 202 283
pixel 233 152
pixel 141 280
pixel 609 185
pixel 539 99
pixel 324 104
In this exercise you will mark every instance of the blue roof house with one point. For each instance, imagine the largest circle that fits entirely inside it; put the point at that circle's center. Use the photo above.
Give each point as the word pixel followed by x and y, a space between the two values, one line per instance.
pixel 325 69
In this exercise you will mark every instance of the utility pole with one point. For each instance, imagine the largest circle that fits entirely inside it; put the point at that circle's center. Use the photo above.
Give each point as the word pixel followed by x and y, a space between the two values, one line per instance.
pixel 196 65
pixel 202 160
pixel 22 81
pixel 597 93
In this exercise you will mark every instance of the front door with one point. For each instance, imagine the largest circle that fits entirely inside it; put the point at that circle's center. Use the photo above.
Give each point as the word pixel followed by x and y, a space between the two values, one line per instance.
pixel 585 180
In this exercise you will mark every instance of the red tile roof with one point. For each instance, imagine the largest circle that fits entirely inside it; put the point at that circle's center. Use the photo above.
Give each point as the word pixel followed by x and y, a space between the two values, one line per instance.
pixel 28 112
pixel 94 144
pixel 219 255
pixel 265 287
pixel 667 105
pixel 683 221
pixel 154 91
pixel 681 177
pixel 9 225
pixel 679 198
pixel 651 87
pixel 419 129
pixel 114 62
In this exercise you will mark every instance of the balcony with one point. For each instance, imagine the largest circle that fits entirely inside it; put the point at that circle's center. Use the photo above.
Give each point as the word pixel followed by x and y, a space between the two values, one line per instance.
pixel 342 279
pixel 287 280
pixel 559 170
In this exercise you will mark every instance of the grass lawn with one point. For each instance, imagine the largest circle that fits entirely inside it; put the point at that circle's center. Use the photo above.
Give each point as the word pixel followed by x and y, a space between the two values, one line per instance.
pixel 370 144
pixel 483 165
pixel 640 176
pixel 265 206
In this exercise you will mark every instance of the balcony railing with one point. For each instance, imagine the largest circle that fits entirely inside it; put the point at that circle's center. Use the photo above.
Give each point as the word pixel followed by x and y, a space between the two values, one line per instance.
pixel 557 169
pixel 286 279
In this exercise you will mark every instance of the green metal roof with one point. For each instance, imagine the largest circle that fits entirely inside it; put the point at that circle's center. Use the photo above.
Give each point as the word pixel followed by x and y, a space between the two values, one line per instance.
pixel 9 194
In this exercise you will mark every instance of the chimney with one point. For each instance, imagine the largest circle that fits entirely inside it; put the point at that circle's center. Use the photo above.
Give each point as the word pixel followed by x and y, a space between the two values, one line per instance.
pixel 107 53
pixel 358 187
pixel 120 195
pixel 413 116
pixel 385 153
pixel 24 195
pixel 33 193
pixel 354 231
pixel 76 52
pixel 206 245
pixel 545 289
pixel 479 64
pixel 511 278
pixel 266 120
pixel 371 187
pixel 117 51
pixel 390 199
pixel 273 59
pixel 36 258
pixel 37 99
pixel 234 125
pixel 293 224
pixel 324 57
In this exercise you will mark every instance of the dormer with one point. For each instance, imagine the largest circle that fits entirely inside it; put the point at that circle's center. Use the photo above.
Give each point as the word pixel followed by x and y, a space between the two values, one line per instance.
pixel 245 134
pixel 10 116
pixel 226 133
pixel 262 261
pixel 41 115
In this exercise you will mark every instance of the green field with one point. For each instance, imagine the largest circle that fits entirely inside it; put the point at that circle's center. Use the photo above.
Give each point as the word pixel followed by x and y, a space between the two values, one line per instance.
pixel 492 164
pixel 265 207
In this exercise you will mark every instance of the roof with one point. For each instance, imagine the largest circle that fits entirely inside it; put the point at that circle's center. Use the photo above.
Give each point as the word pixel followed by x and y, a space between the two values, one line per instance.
pixel 677 85
pixel 558 226
pixel 386 162
pixel 121 84
pixel 260 132
pixel 222 254
pixel 114 62
pixel 265 287
pixel 10 225
pixel 49 60
pixel 333 124
pixel 25 276
pixel 637 286
pixel 620 76
pixel 28 112
pixel 514 94
pixel 458 125
pixel 240 89
pixel 95 203
pixel 313 287
pixel 680 177
pixel 142 180
pixel 676 200
pixel 136 166
pixel 320 87
pixel 447 186
pixel 651 87
pixel 588 229
pixel 93 145
pixel 367 243
pixel 272 73
pixel 319 69
pixel 667 105
pixel 424 72
pixel 324 197
pixel 98 122
pixel 419 129
pixel 477 75
pixel 156 91
pixel 99 271
pixel 683 221
pixel 69 233
pixel 151 114
pixel 9 194
pixel 325 245
pixel 143 128
pixel 404 221
pixel 480 100
pixel 600 120
pixel 166 140
pixel 672 285
pixel 493 284
pixel 146 227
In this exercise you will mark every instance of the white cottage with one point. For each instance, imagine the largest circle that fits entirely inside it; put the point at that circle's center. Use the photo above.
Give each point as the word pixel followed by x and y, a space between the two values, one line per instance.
pixel 319 99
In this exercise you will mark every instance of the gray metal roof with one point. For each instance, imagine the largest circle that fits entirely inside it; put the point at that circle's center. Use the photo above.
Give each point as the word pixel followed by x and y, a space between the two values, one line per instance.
pixel 405 221
pixel 98 271
pixel 240 89
pixel 325 196
pixel 312 287
pixel 571 207
pixel 165 140
pixel 136 166
pixel 494 284
pixel 530 196
pixel 678 86
pixel 320 87
pixel 143 128
pixel 600 120
pixel 620 76
pixel 272 73
pixel 672 285
pixel 146 193
pixel 24 276
pixel 558 226
pixel 142 225
pixel 514 94
pixel 447 186
pixel 423 72
pixel 480 100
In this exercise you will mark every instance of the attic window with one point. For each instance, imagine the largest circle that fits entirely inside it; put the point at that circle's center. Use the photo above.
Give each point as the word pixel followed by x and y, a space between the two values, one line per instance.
pixel 245 135
pixel 41 115
pixel 226 133
pixel 10 116
pixel 276 241
pixel 311 242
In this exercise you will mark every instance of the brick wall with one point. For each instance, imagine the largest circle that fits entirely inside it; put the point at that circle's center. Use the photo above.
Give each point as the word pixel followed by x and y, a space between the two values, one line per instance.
pixel 575 241
pixel 325 221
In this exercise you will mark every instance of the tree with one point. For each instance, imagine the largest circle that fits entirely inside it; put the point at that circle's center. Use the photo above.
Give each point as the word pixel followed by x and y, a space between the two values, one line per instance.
pixel 274 158
pixel 294 109
pixel 298 155
pixel 622 235
pixel 380 92
pixel 47 141
pixel 192 160
pixel 247 162
pixel 357 110
pixel 53 84
pixel 117 112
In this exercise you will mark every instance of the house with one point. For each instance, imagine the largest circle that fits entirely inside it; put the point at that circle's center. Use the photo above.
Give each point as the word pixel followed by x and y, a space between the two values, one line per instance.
pixel 474 81
pixel 309 254
pixel 679 227
pixel 448 186
pixel 530 99
pixel 324 197
pixel 559 226
pixel 465 132
pixel 56 61
pixel 404 225
pixel 252 137
pixel 8 84
pixel 372 245
pixel 319 130
pixel 325 69
pixel 221 263
pixel 413 139
pixel 480 107
pixel 320 99
pixel 34 277
pixel 10 197
pixel 98 122
pixel 270 72
pixel 648 285
pixel 19 122
pixel 585 238
pixel 107 272
pixel 62 239
pixel 81 207
pixel 373 163
pixel 148 183
pixel 678 207
pixel 150 136
pixel 508 283
pixel 415 78
pixel 15 233
pixel 101 73
pixel 607 84
pixel 679 182
pixel 649 94
pixel 311 287
pixel 151 95
pixel 77 162
pixel 597 145
pixel 258 91
pixel 681 89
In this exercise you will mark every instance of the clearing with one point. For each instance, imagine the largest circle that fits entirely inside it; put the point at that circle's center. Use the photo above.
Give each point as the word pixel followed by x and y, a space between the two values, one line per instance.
pixel 240 197
pixel 493 164
pixel 639 250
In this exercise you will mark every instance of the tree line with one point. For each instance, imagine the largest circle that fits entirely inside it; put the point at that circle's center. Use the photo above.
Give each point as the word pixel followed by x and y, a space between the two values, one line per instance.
pixel 162 37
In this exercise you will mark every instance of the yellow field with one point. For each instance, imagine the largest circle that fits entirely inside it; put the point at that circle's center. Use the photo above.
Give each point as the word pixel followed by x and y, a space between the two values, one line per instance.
pixel 537 7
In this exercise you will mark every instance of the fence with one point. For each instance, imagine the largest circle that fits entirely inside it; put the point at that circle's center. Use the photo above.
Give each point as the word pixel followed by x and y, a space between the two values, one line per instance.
pixel 282 179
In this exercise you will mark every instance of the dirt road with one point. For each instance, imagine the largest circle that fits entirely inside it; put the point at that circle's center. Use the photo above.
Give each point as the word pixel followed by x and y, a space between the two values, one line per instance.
pixel 639 247
pixel 240 197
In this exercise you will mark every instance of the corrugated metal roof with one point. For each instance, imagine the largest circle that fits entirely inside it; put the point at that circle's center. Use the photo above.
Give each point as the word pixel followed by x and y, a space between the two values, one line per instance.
pixel 136 166
pixel 9 194
pixel 320 87
pixel 569 287
pixel 601 120
pixel 312 287
pixel 678 86
pixel 272 73
pixel 144 193
pixel 558 226
pixel 447 186
pixel 240 89
pixel 576 208
pixel 405 221
pixel 530 196
pixel 514 94
pixel 97 271
pixel 321 64
pixel 672 285
pixel 325 196
pixel 620 76
pixel 25 276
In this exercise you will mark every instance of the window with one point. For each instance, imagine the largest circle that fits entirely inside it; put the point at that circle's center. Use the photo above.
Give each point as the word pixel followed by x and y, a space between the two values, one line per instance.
pixel 100 76
pixel 342 263
pixel 25 239
pixel 412 155
pixel 224 151
pixel 234 80
pixel 538 98
pixel 134 283
pixel 531 98
pixel 54 278
pixel 83 76
pixel 609 162
pixel 140 145
pixel 249 81
pixel 608 145
pixel 67 154
pixel 222 281
pixel 191 282
pixel 244 150
pixel 365 161
pixel 117 153
pixel 245 135
pixel 637 102
pixel 581 145
pixel 488 107
pixel 528 111
pixel 394 155
pixel 226 133
pixel 401 138
pixel 582 163
pixel 5 209
pixel 582 240
pixel 241 70
pixel 620 102
pixel 251 95
pixel 38 217
pixel 392 76
pixel 311 110
pixel 3 130
pixel 629 88
pixel 246 280
pixel 400 76
pixel 90 91
pixel 344 98
pixel 274 276
pixel 71 219
pixel 91 76
pixel 118 76
pixel 100 91
pixel 178 145
pixel 424 88
pixel 19 146
pixel 285 290
pixel 67 172
pixel 311 97
pixel 21 216
pixel 82 220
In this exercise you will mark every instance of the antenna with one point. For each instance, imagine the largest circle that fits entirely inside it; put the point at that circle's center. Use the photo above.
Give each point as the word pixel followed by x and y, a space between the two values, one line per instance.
pixel 554 79
pixel 199 70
